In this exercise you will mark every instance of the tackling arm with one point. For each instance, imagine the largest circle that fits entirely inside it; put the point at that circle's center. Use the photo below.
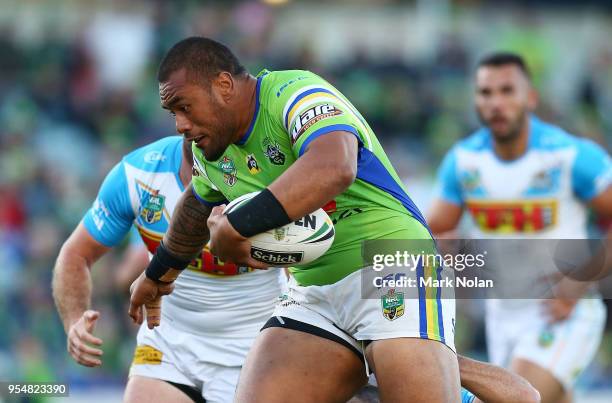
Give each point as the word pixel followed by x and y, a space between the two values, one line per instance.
pixel 602 204
pixel 72 293
pixel 493 384
pixel 188 233
pixel 71 275
pixel 186 237
pixel 572 287
pixel 444 216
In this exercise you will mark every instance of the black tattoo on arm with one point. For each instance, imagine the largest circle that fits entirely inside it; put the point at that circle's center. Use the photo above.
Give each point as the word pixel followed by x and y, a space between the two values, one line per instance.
pixel 188 232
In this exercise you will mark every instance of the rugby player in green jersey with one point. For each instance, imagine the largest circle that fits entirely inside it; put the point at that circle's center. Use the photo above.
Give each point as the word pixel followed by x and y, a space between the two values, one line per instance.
pixel 298 140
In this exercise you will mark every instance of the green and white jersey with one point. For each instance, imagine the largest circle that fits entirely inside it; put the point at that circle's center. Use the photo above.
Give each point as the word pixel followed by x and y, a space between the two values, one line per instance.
pixel 294 108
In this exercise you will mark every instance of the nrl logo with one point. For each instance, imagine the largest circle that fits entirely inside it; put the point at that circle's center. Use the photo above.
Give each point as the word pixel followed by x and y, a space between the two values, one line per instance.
pixel 471 180
pixel 273 152
pixel 392 304
pixel 546 338
pixel 153 208
pixel 229 171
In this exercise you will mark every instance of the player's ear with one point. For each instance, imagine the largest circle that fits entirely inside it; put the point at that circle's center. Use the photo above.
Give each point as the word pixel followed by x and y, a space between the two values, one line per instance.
pixel 224 85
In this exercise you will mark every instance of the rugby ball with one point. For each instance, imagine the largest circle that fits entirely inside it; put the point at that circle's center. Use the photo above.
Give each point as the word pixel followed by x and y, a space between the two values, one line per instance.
pixel 294 244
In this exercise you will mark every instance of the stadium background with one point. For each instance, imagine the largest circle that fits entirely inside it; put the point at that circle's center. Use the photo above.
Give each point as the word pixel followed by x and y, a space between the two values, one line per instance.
pixel 78 90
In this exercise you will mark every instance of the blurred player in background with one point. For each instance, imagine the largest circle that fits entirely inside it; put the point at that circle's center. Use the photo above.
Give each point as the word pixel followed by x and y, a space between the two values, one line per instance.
pixel 518 163
pixel 211 318
pixel 312 149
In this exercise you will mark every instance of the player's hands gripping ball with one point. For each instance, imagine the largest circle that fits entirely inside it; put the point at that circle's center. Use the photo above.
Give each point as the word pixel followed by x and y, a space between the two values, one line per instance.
pixel 227 244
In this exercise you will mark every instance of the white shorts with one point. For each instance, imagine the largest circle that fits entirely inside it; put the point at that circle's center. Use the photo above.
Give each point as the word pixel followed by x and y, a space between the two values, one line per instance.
pixel 217 383
pixel 565 348
pixel 207 328
pixel 340 312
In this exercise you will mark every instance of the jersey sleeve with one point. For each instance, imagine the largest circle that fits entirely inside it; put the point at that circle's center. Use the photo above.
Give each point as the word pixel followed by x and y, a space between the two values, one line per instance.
pixel 315 108
pixel 449 188
pixel 592 170
pixel 111 215
pixel 467 396
pixel 134 238
pixel 203 189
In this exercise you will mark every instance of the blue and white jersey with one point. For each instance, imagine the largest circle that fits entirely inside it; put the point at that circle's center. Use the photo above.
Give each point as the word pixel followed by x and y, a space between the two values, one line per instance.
pixel 143 190
pixel 540 194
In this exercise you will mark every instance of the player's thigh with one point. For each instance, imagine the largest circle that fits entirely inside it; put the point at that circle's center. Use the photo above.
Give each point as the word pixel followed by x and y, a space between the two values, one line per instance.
pixel 414 370
pixel 290 365
pixel 141 389
pixel 550 388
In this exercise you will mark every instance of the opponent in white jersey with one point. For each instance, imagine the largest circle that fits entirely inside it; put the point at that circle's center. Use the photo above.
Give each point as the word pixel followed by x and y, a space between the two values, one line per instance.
pixel 208 325
pixel 519 177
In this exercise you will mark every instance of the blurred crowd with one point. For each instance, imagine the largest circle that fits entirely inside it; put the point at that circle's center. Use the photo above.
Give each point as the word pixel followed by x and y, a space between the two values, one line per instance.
pixel 78 90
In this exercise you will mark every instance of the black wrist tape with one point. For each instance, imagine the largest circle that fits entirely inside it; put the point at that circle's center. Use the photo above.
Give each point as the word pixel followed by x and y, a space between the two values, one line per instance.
pixel 162 262
pixel 260 214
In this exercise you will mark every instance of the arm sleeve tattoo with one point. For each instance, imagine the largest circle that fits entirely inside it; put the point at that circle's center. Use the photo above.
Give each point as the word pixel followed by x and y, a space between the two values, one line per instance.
pixel 188 233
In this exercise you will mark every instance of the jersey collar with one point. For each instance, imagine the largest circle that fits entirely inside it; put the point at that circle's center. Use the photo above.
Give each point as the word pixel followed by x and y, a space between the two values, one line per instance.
pixel 244 138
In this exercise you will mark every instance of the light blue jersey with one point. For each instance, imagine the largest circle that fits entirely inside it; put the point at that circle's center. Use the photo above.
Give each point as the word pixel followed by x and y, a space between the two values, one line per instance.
pixel 542 193
pixel 142 190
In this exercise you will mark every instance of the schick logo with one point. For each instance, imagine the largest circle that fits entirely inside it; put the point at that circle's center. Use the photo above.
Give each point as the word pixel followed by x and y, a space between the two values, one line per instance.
pixel 307 221
pixel 277 258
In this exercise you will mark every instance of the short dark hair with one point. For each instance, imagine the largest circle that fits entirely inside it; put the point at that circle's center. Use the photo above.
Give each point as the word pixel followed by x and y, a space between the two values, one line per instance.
pixel 203 58
pixel 499 59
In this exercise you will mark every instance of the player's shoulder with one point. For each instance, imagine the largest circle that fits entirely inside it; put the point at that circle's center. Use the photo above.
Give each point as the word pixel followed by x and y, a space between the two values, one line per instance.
pixel 163 155
pixel 280 86
pixel 549 137
pixel 477 141
pixel 283 90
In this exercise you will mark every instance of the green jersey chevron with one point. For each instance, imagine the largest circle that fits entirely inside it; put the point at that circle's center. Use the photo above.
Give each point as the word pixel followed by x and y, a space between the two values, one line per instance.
pixel 294 108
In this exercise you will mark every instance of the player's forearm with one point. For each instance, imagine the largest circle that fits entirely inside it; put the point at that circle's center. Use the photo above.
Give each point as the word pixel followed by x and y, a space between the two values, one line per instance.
pixel 71 286
pixel 443 217
pixel 188 232
pixel 492 384
pixel 327 169
pixel 576 284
